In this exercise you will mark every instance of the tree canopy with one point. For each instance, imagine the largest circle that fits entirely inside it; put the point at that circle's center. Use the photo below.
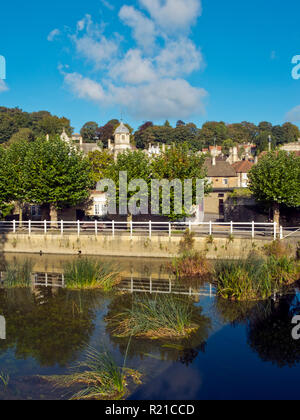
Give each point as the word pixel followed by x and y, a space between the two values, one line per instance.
pixel 275 180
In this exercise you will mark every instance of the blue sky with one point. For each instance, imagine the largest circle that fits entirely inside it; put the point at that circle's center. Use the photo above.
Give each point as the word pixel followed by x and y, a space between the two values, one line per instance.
pixel 152 59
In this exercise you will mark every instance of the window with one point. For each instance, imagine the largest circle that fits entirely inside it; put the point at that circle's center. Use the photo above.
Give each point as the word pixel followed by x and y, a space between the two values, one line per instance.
pixel 100 209
pixel 225 181
pixel 123 137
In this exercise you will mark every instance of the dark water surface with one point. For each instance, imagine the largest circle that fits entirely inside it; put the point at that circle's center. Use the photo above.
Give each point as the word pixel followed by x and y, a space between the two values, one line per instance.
pixel 241 351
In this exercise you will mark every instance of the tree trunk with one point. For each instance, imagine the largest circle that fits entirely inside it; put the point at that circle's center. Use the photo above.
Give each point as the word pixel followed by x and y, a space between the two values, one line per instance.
pixel 276 214
pixel 20 215
pixel 53 216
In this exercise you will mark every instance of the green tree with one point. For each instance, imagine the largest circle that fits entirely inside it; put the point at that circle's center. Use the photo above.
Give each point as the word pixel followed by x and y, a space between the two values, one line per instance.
pixel 100 163
pixel 55 175
pixel 89 132
pixel 5 192
pixel 275 180
pixel 180 163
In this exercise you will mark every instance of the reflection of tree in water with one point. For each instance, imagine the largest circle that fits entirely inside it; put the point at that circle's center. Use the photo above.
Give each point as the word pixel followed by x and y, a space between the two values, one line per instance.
pixel 270 331
pixel 234 312
pixel 180 350
pixel 46 325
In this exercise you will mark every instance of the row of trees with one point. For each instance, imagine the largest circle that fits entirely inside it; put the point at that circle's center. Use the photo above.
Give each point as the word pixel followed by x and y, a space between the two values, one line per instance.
pixel 49 173
pixel 210 133
pixel 16 124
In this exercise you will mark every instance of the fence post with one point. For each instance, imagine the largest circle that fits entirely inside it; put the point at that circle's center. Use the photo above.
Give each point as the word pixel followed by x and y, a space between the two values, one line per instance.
pixel 190 226
pixel 29 227
pixel 131 229
pixel 210 228
pixel 281 232
pixel 275 231
pixel 78 227
pixel 113 228
pixel 150 229
pixel 45 227
pixel 14 226
pixel 253 230
pixel 62 227
pixel 170 230
pixel 231 228
pixel 96 227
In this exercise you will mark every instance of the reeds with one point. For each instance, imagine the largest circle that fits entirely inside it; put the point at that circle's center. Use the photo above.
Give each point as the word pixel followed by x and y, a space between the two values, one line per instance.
pixel 156 317
pixel 255 278
pixel 85 273
pixel 18 275
pixel 101 377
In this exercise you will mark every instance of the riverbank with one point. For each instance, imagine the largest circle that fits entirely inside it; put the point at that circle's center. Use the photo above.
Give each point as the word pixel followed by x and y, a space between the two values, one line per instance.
pixel 124 246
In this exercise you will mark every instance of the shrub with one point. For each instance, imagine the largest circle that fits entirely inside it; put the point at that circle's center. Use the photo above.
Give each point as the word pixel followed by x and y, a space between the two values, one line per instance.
pixel 191 264
pixel 187 243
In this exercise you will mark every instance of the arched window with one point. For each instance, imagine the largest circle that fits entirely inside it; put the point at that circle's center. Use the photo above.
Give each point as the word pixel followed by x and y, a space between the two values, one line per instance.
pixel 123 137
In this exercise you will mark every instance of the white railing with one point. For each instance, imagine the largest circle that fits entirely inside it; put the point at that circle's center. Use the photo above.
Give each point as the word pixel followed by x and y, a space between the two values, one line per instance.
pixel 148 229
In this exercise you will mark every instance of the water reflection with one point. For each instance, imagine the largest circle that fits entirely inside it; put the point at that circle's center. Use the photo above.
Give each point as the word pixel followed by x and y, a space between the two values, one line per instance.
pixel 50 325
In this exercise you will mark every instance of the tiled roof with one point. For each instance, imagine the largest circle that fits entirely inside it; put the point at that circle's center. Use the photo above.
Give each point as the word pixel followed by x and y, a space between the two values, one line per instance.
pixel 221 169
pixel 243 167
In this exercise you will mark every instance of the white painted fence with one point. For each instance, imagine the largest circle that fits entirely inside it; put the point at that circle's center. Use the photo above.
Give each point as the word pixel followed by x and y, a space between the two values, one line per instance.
pixel 148 229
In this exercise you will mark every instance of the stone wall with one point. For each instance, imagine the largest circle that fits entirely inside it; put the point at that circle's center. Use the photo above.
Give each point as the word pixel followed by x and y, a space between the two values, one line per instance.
pixel 124 246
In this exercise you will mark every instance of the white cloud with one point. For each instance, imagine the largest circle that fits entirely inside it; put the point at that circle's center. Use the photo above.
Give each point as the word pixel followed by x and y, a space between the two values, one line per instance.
pixel 3 86
pixel 84 87
pixel 173 15
pixel 133 69
pixel 143 28
pixel 164 98
pixel 91 43
pixel 107 4
pixel 179 58
pixel 146 80
pixel 53 34
pixel 293 115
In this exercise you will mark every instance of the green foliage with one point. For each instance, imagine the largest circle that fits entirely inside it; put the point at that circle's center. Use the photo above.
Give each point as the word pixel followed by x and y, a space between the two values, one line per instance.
pixel 100 163
pixel 55 173
pixel 85 273
pixel 276 179
pixel 89 132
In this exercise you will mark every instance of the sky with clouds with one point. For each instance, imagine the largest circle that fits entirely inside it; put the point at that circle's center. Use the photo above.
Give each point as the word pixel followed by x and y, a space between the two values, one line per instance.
pixel 152 59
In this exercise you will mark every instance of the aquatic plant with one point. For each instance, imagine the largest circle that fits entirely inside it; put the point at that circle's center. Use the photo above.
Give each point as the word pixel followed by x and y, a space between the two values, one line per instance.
pixel 85 273
pixel 156 317
pixel 18 274
pixel 255 278
pixel 190 264
pixel 101 377
pixel 4 378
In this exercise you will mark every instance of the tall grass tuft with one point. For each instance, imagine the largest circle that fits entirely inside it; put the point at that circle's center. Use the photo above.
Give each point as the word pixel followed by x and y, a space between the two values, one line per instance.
pixel 18 274
pixel 85 273
pixel 100 378
pixel 156 317
pixel 255 278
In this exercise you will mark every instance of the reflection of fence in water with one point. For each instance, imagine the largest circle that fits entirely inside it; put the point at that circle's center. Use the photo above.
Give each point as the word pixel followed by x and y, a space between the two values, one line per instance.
pixel 132 285
pixel 159 286
pixel 49 279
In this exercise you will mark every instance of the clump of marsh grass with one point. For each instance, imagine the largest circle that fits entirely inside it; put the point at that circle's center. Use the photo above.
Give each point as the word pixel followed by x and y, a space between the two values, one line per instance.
pixel 18 274
pixel 190 265
pixel 156 317
pixel 100 378
pixel 255 278
pixel 85 273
